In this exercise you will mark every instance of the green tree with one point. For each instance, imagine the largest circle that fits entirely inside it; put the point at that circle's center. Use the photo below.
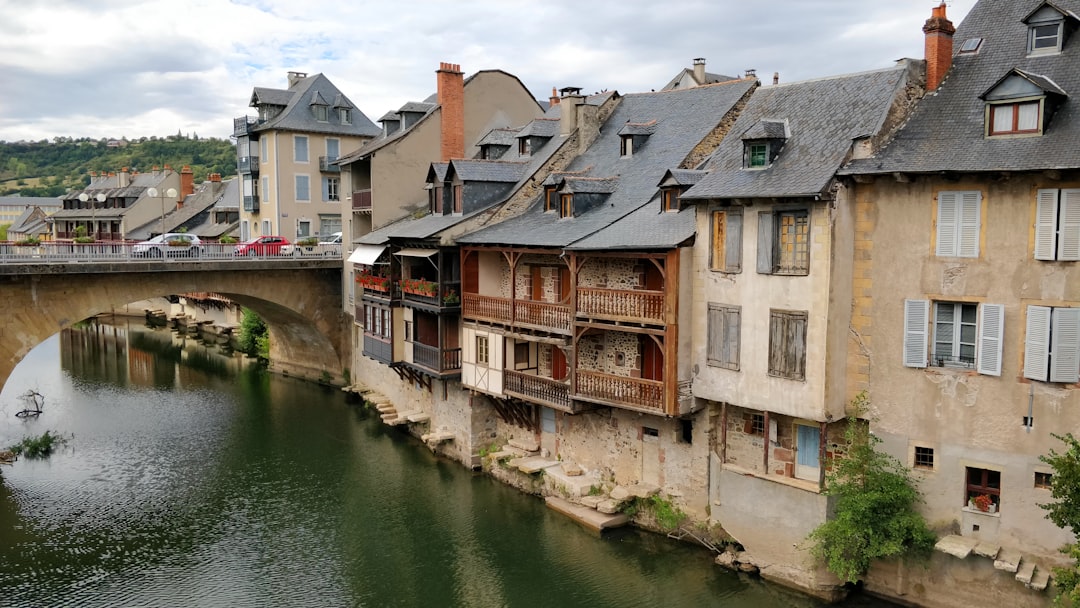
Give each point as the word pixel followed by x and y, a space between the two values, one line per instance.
pixel 875 516
pixel 254 338
pixel 1064 511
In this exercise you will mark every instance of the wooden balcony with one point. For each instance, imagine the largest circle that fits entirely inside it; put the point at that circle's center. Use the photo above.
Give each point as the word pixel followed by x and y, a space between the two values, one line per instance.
pixel 545 391
pixel 375 287
pixel 636 393
pixel 485 308
pixel 540 315
pixel 380 350
pixel 630 305
pixel 436 360
pixel 361 200
pixel 431 294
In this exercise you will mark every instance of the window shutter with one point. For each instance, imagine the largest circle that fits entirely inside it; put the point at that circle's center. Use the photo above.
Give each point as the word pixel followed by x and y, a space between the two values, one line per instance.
pixel 732 320
pixel 946 223
pixel 1069 226
pixel 714 345
pixel 733 242
pixel 969 203
pixel 991 332
pixel 916 322
pixel 719 261
pixel 1046 211
pixel 765 242
pixel 1037 343
pixel 1065 345
pixel 326 188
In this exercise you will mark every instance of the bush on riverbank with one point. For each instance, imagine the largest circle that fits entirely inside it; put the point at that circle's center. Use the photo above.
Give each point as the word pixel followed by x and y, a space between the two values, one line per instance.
pixel 41 446
pixel 254 338
pixel 1064 511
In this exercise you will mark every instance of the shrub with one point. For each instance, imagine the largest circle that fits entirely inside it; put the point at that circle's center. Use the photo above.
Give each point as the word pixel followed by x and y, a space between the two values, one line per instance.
pixel 1064 511
pixel 227 240
pixel 39 447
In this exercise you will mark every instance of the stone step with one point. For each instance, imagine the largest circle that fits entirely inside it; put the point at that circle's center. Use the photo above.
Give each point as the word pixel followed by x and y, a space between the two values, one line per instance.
pixel 1041 579
pixel 531 465
pixel 436 438
pixel 527 445
pixel 1026 572
pixel 1008 560
pixel 419 417
pixel 987 549
pixel 398 421
pixel 385 407
pixel 587 517
pixel 956 545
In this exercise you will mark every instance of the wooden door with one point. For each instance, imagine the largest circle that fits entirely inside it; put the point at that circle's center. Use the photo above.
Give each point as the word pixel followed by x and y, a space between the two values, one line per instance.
pixel 652 359
pixel 470 273
pixel 654 279
pixel 806 456
pixel 559 368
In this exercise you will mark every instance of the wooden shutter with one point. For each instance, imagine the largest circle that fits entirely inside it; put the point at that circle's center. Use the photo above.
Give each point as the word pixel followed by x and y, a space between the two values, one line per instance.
pixel 1046 211
pixel 1037 343
pixel 559 368
pixel 733 242
pixel 730 352
pixel 1069 226
pixel 916 324
pixel 719 238
pixel 714 343
pixel 968 234
pixel 946 223
pixel 470 273
pixel 1065 345
pixel 537 283
pixel 991 332
pixel 765 246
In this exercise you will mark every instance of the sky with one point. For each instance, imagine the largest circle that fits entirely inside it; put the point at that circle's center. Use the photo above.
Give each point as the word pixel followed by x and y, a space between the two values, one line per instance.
pixel 134 68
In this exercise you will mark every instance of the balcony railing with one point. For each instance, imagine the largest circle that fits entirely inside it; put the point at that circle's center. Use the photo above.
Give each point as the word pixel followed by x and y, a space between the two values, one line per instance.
pixel 248 164
pixel 431 293
pixel 621 304
pixel 544 315
pixel 379 350
pixel 326 164
pixel 485 308
pixel 361 200
pixel 440 361
pixel 251 204
pixel 244 125
pixel 621 390
pixel 545 391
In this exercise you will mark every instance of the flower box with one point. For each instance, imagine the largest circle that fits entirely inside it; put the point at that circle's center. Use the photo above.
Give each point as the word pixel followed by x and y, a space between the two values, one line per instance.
pixel 420 287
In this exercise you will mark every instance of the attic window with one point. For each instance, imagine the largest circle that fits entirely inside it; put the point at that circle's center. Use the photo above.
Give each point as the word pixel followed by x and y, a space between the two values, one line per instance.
pixel 670 197
pixel 971 46
pixel 1014 118
pixel 551 198
pixel 344 116
pixel 566 207
pixel 626 145
pixel 524 146
pixel 322 113
pixel 1046 30
pixel 757 154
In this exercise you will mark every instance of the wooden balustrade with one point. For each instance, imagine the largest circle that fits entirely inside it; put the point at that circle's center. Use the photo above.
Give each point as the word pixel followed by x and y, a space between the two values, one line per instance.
pixel 436 359
pixel 542 314
pixel 537 388
pixel 361 200
pixel 485 308
pixel 621 304
pixel 637 392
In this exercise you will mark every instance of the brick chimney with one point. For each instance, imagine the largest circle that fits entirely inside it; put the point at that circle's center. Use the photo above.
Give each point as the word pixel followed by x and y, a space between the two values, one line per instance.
pixel 554 99
pixel 699 70
pixel 939 44
pixel 451 97
pixel 187 182
pixel 214 177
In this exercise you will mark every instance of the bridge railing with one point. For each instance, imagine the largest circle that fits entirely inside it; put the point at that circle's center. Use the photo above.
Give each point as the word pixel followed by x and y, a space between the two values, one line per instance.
pixel 120 251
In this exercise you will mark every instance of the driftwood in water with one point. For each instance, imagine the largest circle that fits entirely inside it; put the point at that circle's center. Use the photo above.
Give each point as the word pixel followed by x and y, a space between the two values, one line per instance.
pixel 33 402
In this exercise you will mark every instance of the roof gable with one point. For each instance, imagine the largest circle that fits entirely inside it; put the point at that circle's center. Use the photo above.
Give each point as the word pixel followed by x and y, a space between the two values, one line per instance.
pixel 1018 83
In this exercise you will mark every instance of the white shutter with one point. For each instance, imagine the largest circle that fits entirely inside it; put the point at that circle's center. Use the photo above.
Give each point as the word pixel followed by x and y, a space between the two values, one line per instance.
pixel 946 223
pixel 1037 343
pixel 991 332
pixel 1065 345
pixel 970 202
pixel 1069 226
pixel 916 322
pixel 1046 211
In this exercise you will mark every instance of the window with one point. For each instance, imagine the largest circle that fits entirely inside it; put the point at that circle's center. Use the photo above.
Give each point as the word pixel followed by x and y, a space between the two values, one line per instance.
pixel 300 148
pixel 722 349
pixel 1057 225
pixel 521 353
pixel 409 335
pixel 670 197
pixel 329 224
pixel 264 154
pixel 757 155
pixel 924 458
pixel 322 113
pixel 1044 481
pixel 566 205
pixel 958 224
pixel 344 116
pixel 626 145
pixel 303 188
pixel 333 148
pixel 435 200
pixel 331 186
pixel 756 424
pixel 482 350
pixel 551 198
pixel 1052 344
pixel 787 344
pixel 784 242
pixel 266 189
pixel 267 227
pixel 1014 118
pixel 727 240
pixel 984 482
pixel 1044 38
pixel 970 46
pixel 524 146
pixel 303 229
pixel 964 335
pixel 459 197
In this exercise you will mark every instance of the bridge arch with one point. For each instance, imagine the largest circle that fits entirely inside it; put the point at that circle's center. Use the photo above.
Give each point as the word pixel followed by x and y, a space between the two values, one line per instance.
pixel 301 303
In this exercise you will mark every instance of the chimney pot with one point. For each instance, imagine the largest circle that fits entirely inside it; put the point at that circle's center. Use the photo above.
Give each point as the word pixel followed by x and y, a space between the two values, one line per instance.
pixel 554 99
pixel 939 46
pixel 751 73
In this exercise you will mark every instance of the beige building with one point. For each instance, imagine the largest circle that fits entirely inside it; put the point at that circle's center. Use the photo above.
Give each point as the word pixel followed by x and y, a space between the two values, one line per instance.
pixel 286 158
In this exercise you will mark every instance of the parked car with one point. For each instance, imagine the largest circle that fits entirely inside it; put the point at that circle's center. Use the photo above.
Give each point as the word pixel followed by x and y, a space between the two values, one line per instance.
pixel 170 244
pixel 331 245
pixel 264 245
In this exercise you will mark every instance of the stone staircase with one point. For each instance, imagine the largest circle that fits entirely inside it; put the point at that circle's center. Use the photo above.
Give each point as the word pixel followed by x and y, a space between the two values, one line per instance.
pixel 1009 560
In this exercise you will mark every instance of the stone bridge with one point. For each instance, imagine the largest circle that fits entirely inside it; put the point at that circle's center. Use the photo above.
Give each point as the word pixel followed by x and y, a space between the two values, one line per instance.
pixel 300 300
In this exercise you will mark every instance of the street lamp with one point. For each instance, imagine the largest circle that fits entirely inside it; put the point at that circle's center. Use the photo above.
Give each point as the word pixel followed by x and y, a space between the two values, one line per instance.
pixel 170 193
pixel 97 198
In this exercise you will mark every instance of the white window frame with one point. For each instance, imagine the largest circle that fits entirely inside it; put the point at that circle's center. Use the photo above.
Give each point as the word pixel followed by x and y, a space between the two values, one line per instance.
pixel 331 189
pixel 1034 36
pixel 306 179
pixel 949 331
pixel 1052 344
pixel 343 116
pixel 267 227
pixel 989 335
pixel 265 189
pixel 1057 225
pixel 264 149
pixel 301 154
pixel 958 223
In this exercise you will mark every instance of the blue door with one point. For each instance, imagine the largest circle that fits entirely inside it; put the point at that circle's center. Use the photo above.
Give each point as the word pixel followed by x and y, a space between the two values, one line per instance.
pixel 806 456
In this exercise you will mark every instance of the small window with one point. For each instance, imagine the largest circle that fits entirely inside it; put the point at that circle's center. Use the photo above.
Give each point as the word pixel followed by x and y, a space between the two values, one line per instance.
pixel 626 145
pixel 671 199
pixel 300 148
pixel 647 431
pixel 435 200
pixel 983 482
pixel 722 347
pixel 971 46
pixel 924 458
pixel 482 350
pixel 303 188
pixel 787 344
pixel 459 197
pixel 1044 481
pixel 524 146
pixel 758 155
pixel 757 424
pixel 727 240
pixel 551 198
pixel 321 113
pixel 1015 118
pixel 303 229
pixel 958 223
pixel 566 205
pixel 1044 39
pixel 344 116
pixel 408 337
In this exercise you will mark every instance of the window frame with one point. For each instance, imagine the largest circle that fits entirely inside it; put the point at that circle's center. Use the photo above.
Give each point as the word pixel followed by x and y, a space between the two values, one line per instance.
pixel 1043 480
pixel 992 109
pixel 321 112
pixel 927 462
pixel 345 116
pixel 551 198
pixel 955 341
pixel 958 231
pixel 771 242
pixel 306 148
pixel 989 335
pixel 566 205
pixel 626 146
pixel 300 231
pixel 670 199
pixel 724 335
pixel 306 179
pixel 795 324
pixel 757 154
pixel 483 351
pixel 727 236
pixel 984 486
pixel 1034 37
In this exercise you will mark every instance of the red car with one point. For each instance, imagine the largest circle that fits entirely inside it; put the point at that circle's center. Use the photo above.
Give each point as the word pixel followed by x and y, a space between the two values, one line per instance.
pixel 264 245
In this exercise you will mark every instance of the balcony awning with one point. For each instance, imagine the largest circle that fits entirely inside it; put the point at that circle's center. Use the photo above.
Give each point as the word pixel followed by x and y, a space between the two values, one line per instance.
pixel 417 253
pixel 366 254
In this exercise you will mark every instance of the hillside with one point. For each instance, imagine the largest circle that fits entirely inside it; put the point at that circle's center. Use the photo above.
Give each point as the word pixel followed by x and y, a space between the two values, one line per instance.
pixel 51 168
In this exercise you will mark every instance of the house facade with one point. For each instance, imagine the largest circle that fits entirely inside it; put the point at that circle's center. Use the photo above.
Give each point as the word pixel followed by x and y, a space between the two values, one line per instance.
pixel 115 204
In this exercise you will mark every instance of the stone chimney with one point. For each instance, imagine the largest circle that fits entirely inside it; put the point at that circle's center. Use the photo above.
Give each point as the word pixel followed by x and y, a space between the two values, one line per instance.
pixel 187 182
pixel 155 170
pixel 571 99
pixel 451 97
pixel 554 99
pixel 699 70
pixel 939 45
pixel 588 125
pixel 751 74
pixel 295 77
pixel 124 178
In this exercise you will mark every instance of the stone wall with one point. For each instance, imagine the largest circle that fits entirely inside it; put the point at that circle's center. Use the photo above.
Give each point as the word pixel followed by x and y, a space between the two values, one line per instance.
pixel 610 352
pixel 612 274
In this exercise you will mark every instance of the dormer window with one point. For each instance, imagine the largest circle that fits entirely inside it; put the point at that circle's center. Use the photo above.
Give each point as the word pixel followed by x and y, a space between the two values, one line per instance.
pixel 1047 29
pixel 762 143
pixel 1020 104
pixel 344 116
pixel 757 155
pixel 524 146
pixel 633 135
pixel 1045 39
pixel 566 206
pixel 626 146
pixel 1014 118
pixel 435 199
pixel 551 198
pixel 670 197
pixel 321 113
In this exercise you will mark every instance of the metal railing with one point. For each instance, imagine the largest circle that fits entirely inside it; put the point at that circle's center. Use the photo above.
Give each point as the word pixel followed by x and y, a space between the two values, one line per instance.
pixel 248 164
pixel 326 164
pixel 120 251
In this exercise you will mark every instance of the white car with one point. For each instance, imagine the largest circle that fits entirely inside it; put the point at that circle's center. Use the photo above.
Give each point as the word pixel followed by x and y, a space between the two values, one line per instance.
pixel 170 244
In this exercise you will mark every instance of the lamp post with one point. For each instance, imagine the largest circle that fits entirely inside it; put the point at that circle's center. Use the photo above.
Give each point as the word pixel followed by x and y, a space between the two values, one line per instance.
pixel 97 198
pixel 170 193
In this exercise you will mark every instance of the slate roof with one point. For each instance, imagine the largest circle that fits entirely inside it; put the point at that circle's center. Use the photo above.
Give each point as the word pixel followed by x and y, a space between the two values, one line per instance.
pixel 684 117
pixel 710 78
pixel 823 117
pixel 31 221
pixel 204 197
pixel 499 137
pixel 489 170
pixel 136 188
pixel 766 129
pixel 391 115
pixel 596 185
pixel 683 177
pixel 297 115
pixel 48 204
pixel 946 130
pixel 541 127
pixel 417 107
pixel 631 128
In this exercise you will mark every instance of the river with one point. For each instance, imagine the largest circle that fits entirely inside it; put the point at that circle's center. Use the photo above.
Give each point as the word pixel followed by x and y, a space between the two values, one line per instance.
pixel 192 478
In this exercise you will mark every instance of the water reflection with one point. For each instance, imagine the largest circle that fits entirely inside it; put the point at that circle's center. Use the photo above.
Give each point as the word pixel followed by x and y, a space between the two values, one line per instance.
pixel 196 479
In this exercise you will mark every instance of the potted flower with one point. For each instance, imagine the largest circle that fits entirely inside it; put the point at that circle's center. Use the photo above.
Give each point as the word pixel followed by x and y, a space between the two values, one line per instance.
pixel 80 235
pixel 983 502
pixel 450 297
pixel 30 241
